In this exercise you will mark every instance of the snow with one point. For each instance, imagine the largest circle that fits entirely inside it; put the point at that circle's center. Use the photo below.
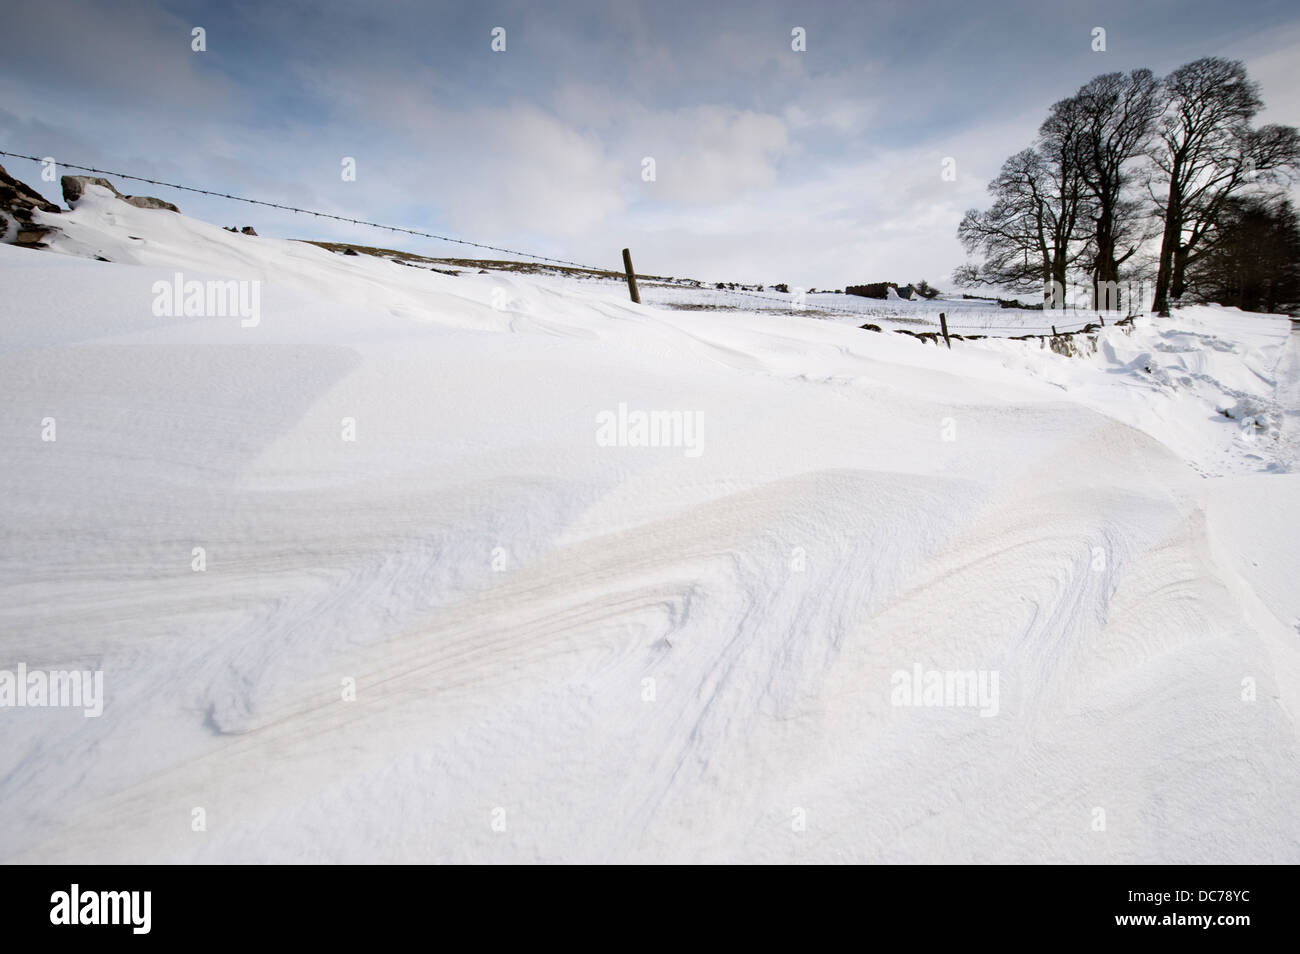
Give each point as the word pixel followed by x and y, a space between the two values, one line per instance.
pixel 564 651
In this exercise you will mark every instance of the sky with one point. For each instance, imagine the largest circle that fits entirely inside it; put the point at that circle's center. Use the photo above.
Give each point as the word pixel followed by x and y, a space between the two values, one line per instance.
pixel 818 168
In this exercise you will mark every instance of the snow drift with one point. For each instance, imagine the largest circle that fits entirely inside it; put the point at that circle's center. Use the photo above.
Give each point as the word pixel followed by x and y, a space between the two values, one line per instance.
pixel 364 584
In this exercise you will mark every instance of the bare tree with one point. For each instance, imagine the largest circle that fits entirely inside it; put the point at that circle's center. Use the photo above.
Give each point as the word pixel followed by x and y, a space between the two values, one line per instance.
pixel 1254 262
pixel 1011 236
pixel 1116 115
pixel 1029 238
pixel 1264 158
pixel 1069 205
pixel 1207 152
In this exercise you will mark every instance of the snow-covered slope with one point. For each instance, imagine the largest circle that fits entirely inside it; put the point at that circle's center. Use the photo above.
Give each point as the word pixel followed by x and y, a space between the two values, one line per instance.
pixel 567 648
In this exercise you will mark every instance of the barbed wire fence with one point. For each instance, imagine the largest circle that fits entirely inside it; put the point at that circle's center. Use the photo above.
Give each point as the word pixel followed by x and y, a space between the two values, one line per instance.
pixel 959 331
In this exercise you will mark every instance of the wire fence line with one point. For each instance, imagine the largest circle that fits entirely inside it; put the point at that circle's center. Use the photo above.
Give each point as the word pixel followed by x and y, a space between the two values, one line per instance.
pixel 970 329
pixel 301 211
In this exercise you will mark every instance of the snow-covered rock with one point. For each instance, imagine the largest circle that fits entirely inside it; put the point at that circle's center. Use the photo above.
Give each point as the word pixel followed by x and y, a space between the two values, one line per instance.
pixel 17 203
pixel 74 187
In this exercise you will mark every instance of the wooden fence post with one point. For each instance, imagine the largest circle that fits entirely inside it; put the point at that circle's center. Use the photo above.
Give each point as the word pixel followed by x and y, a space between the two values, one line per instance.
pixel 943 326
pixel 1054 334
pixel 631 276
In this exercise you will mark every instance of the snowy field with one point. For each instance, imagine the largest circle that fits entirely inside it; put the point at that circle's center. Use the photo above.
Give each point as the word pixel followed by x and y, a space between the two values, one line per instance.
pixel 965 316
pixel 973 316
pixel 381 570
pixel 977 316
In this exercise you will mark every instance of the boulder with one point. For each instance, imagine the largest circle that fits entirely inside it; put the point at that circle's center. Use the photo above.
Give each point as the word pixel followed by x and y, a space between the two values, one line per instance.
pixel 74 187
pixel 15 194
pixel 17 202
pixel 149 202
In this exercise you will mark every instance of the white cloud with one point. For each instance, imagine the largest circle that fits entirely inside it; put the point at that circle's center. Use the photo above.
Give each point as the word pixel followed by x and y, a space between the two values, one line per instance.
pixel 710 154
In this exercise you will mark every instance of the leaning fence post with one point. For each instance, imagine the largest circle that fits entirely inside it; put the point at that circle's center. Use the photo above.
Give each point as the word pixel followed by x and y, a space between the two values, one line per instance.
pixel 1054 334
pixel 1102 319
pixel 943 326
pixel 631 276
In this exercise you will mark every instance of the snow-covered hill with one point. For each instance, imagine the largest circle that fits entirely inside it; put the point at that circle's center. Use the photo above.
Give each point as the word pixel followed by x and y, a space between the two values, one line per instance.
pixel 569 646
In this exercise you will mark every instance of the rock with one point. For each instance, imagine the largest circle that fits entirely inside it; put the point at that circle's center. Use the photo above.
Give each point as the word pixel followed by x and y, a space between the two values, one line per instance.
pixel 149 202
pixel 74 187
pixel 15 194
pixel 17 202
pixel 870 327
pixel 30 236
pixel 349 251
pixel 246 230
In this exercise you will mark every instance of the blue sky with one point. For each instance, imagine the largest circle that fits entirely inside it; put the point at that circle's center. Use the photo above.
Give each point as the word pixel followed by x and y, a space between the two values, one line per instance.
pixel 818 168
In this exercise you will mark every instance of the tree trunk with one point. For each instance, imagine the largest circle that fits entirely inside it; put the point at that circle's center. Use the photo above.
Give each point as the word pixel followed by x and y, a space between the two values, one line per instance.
pixel 1178 283
pixel 1105 270
pixel 1058 277
pixel 1168 244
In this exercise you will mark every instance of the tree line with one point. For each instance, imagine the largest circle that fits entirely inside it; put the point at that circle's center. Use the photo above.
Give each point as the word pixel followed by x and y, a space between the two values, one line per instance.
pixel 1130 158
